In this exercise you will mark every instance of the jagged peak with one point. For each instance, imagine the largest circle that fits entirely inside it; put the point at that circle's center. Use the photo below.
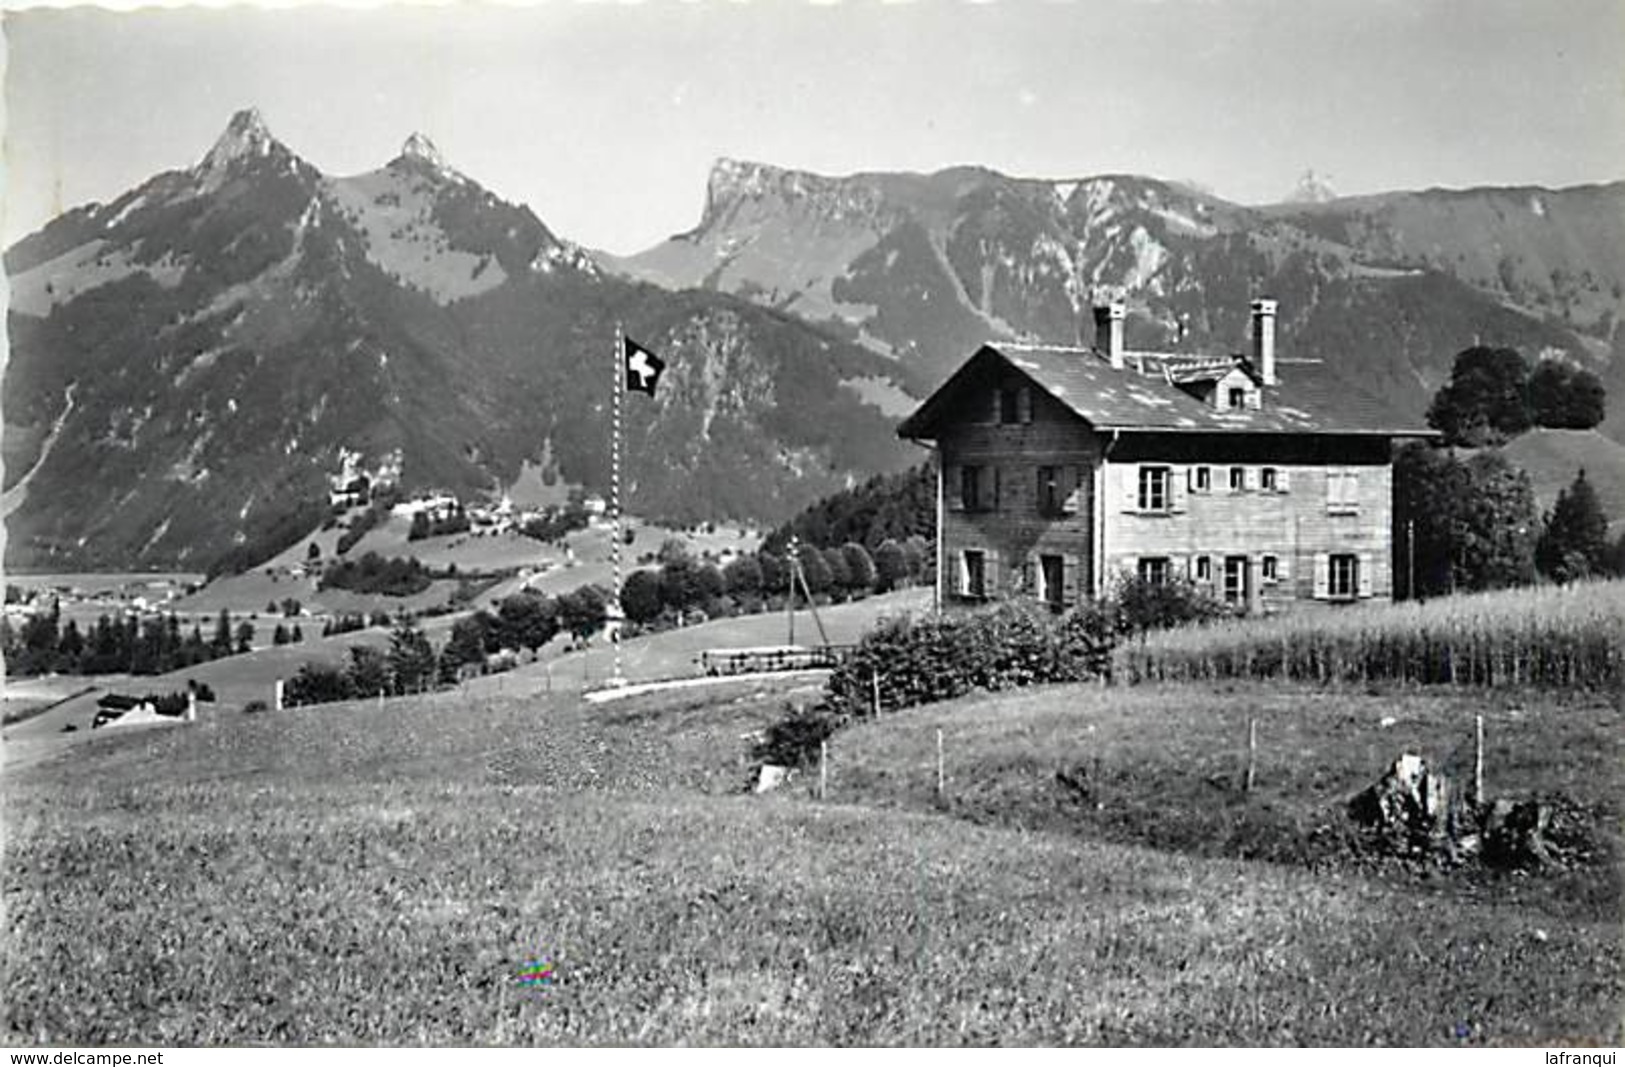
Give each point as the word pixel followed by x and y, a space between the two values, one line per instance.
pixel 419 147
pixel 246 136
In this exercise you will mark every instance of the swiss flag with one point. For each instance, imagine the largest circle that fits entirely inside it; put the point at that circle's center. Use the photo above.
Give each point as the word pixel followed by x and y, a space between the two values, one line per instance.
pixel 642 367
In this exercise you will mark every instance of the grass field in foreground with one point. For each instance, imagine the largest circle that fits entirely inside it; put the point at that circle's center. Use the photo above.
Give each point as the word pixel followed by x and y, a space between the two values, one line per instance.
pixel 357 874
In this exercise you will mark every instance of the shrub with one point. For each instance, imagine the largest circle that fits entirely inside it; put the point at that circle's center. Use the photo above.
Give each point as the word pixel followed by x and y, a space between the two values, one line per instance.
pixel 254 707
pixel 793 741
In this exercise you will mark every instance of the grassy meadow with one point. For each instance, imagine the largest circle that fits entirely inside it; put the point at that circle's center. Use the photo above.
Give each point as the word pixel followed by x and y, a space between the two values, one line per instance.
pixel 357 873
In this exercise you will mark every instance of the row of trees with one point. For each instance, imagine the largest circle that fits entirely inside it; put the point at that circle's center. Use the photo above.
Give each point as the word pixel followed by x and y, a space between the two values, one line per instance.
pixel 527 620
pixel 44 644
pixel 373 573
pixel 1472 524
pixel 1494 395
pixel 454 521
pixel 887 507
pixel 682 584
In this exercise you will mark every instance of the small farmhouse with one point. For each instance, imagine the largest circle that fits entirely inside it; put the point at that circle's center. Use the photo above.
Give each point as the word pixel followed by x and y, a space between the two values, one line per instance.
pixel 1264 480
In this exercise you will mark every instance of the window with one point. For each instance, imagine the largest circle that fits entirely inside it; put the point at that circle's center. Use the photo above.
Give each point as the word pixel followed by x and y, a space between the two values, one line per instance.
pixel 1237 397
pixel 1201 479
pixel 1015 404
pixel 1235 579
pixel 1267 480
pixel 1153 569
pixel 970 487
pixel 1049 490
pixel 1204 568
pixel 1052 581
pixel 1270 569
pixel 975 573
pixel 1343 492
pixel 1238 479
pixel 1154 489
pixel 1343 576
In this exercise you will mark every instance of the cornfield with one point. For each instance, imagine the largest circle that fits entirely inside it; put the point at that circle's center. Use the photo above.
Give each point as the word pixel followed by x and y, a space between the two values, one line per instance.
pixel 1553 637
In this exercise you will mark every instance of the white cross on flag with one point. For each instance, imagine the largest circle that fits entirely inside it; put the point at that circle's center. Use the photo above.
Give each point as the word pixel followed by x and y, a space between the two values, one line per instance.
pixel 643 367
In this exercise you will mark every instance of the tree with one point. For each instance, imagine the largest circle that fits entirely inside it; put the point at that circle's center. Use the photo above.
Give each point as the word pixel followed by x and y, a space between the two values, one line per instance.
pixel 245 636
pixel 1497 526
pixel 1575 542
pixel 369 671
pixel 411 657
pixel 921 565
pixel 1461 526
pixel 860 567
pixel 1565 397
pixel 708 584
pixel 679 583
pixel 742 577
pixel 840 576
pixel 279 636
pixel 671 549
pixel 71 646
pixel 891 566
pixel 1484 402
pixel 467 642
pixel 814 570
pixel 221 645
pixel 314 552
pixel 640 596
pixel 296 635
pixel 528 620
pixel 583 611
pixel 775 575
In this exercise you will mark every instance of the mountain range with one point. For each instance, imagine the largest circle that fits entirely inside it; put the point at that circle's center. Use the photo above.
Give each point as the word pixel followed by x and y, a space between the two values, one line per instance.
pixel 1387 288
pixel 191 360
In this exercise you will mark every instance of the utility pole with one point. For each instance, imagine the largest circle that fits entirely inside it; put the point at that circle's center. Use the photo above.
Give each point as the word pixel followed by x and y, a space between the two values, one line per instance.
pixel 1410 552
pixel 790 565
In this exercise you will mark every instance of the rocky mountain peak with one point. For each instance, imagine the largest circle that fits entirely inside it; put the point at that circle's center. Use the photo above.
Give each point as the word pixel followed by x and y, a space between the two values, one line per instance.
pixel 246 137
pixel 733 183
pixel 420 149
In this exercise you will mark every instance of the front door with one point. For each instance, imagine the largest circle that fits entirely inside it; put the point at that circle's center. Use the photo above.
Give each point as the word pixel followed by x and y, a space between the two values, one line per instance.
pixel 1235 580
pixel 1054 576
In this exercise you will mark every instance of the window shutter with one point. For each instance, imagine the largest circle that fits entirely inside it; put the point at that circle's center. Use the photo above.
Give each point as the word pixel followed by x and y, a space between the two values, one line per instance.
pixel 1280 480
pixel 1323 575
pixel 1367 572
pixel 962 576
pixel 1176 488
pixel 990 574
pixel 1069 581
pixel 953 482
pixel 1249 478
pixel 1351 490
pixel 1024 405
pixel 1130 475
pixel 1334 489
pixel 1282 570
pixel 1178 567
pixel 995 498
pixel 1072 487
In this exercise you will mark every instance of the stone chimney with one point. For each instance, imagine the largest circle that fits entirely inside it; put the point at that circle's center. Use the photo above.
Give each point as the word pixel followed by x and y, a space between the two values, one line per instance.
pixel 1264 339
pixel 1109 332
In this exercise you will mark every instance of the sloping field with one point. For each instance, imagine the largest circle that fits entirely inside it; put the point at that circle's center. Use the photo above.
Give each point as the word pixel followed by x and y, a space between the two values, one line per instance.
pixel 1554 457
pixel 356 874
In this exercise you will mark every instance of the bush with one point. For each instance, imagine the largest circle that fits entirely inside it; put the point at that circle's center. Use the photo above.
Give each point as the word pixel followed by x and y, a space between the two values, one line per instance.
pixel 793 741
pixel 927 659
pixel 317 683
pixel 1140 605
pixel 254 707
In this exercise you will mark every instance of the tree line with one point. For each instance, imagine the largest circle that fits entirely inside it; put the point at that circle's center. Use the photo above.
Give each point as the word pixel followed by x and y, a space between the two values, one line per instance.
pixel 44 644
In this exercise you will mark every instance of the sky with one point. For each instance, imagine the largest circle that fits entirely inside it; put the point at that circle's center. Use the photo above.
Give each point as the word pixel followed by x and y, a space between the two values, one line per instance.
pixel 605 117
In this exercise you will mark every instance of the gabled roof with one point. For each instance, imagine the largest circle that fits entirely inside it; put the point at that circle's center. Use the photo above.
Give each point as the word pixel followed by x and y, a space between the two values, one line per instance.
pixel 1307 399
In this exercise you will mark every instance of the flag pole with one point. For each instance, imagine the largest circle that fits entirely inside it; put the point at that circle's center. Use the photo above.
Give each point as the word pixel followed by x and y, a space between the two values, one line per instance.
pixel 616 679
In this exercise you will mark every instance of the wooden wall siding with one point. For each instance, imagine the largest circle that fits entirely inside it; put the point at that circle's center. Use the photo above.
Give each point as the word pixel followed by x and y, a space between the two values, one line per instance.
pixel 1295 526
pixel 1014 534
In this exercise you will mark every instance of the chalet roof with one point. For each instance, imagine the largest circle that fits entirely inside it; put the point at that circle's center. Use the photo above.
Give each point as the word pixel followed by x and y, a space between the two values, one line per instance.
pixel 1307 398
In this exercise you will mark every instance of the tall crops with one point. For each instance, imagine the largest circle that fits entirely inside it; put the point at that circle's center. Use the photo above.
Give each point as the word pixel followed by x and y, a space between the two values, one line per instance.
pixel 1556 637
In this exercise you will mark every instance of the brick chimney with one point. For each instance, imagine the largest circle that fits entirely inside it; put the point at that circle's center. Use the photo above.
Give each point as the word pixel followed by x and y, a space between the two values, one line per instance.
pixel 1109 332
pixel 1264 339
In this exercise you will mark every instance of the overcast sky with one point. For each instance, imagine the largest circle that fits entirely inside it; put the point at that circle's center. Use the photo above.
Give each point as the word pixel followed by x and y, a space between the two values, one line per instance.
pixel 605 118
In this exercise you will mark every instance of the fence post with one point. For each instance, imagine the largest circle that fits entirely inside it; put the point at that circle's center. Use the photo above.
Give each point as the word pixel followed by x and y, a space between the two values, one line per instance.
pixel 823 769
pixel 941 790
pixel 874 690
pixel 1252 752
pixel 1478 761
pixel 280 695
